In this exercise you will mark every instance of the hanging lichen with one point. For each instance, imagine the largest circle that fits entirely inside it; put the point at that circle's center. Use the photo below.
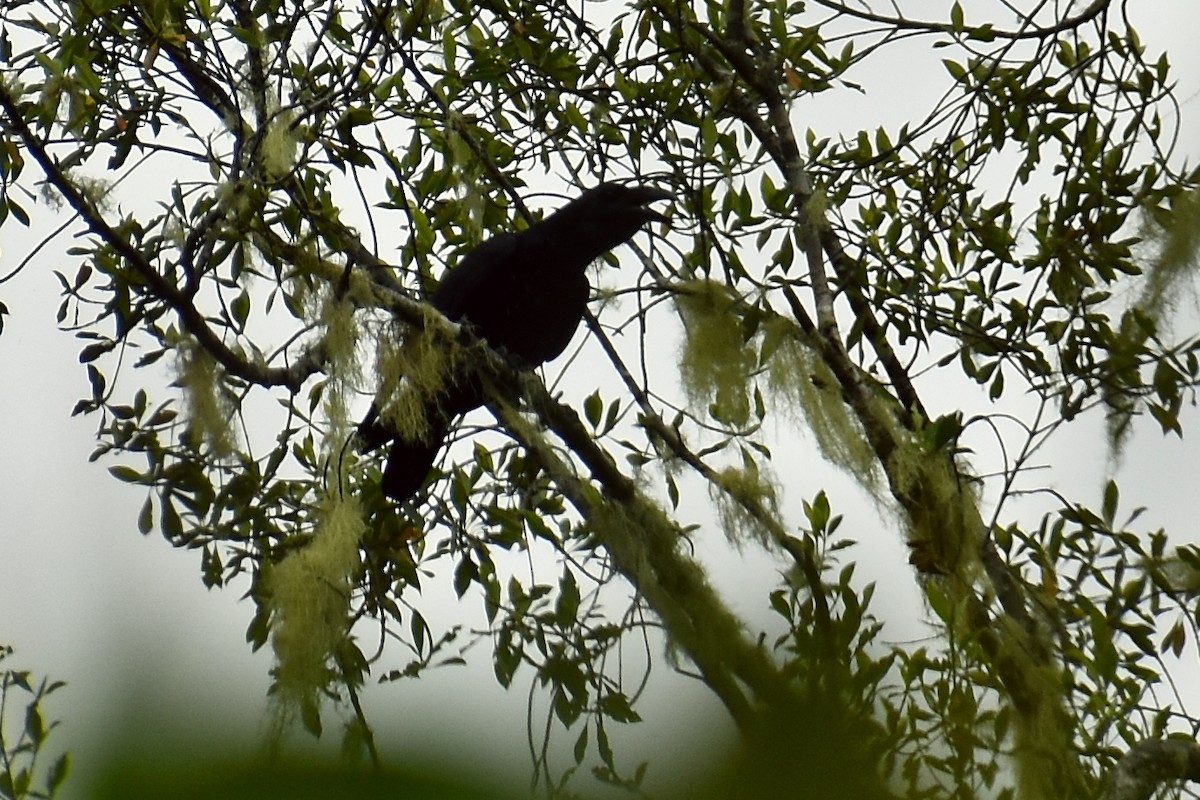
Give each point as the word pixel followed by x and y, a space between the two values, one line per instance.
pixel 716 360
pixel 280 143
pixel 309 597
pixel 211 410
pixel 802 384
pixel 335 317
pixel 740 489
pixel 1177 235
pixel 413 372
pixel 308 591
pixel 1174 236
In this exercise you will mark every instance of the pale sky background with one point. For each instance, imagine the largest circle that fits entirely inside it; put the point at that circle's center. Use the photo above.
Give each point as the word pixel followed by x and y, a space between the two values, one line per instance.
pixel 144 647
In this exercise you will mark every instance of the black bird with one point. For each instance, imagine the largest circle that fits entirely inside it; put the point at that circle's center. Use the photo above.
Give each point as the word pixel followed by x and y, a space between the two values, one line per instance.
pixel 525 294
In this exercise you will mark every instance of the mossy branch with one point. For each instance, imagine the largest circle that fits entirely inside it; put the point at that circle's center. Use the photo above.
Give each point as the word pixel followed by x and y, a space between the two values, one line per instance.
pixel 645 546
pixel 1149 764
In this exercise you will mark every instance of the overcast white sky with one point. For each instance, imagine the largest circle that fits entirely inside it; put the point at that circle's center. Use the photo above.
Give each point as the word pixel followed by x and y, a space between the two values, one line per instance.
pixel 127 622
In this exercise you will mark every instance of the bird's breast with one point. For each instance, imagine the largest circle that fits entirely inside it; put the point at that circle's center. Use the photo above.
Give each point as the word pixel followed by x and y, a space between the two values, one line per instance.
pixel 536 323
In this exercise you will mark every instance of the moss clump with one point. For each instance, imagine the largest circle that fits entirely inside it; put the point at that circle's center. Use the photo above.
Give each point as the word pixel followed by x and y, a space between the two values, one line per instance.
pixel 943 515
pixel 280 144
pixel 339 342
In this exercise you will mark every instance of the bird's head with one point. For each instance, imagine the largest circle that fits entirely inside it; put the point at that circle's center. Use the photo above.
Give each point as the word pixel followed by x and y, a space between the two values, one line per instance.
pixel 609 214
pixel 621 199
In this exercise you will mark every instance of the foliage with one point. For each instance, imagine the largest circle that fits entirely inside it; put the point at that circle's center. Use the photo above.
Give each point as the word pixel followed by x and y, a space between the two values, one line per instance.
pixel 281 183
pixel 23 773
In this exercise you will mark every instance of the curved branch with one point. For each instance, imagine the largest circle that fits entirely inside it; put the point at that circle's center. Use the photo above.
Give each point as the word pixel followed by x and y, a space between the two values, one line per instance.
pixel 1149 764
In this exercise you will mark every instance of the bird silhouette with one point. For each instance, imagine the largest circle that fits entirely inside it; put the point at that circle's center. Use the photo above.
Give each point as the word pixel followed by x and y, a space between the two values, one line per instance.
pixel 525 293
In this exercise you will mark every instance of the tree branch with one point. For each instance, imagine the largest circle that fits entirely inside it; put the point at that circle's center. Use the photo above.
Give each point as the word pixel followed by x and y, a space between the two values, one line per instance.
pixel 1151 763
pixel 192 319
pixel 1034 32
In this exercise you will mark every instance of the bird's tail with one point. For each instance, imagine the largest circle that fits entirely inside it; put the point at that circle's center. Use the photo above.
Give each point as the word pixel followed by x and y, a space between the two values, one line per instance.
pixel 408 462
pixel 373 432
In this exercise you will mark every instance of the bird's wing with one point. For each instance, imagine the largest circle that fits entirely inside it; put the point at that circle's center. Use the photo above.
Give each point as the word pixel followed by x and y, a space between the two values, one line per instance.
pixel 461 285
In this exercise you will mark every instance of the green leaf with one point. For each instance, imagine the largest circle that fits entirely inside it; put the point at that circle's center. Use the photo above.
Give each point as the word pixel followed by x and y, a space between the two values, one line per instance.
pixel 98 383
pixel 35 728
pixel 615 705
pixel 211 567
pixel 818 512
pixel 240 308
pixel 780 604
pixel 672 490
pixel 1167 419
pixel 172 525
pixel 420 632
pixel 145 521
pixel 606 753
pixel 125 474
pixel 259 628
pixel 956 70
pixel 94 351
pixel 566 608
pixel 1106 652
pixel 983 33
pixel 123 412
pixel 581 742
pixel 58 772
pixel 161 417
pixel 593 409
pixel 944 430
pixel 464 574
pixel 1111 499
pixel 997 388
pixel 610 419
pixel 506 660
pixel 14 208
pixel 22 783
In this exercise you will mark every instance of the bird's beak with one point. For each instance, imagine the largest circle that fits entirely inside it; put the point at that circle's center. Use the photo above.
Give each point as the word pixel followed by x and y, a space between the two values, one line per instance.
pixel 651 194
